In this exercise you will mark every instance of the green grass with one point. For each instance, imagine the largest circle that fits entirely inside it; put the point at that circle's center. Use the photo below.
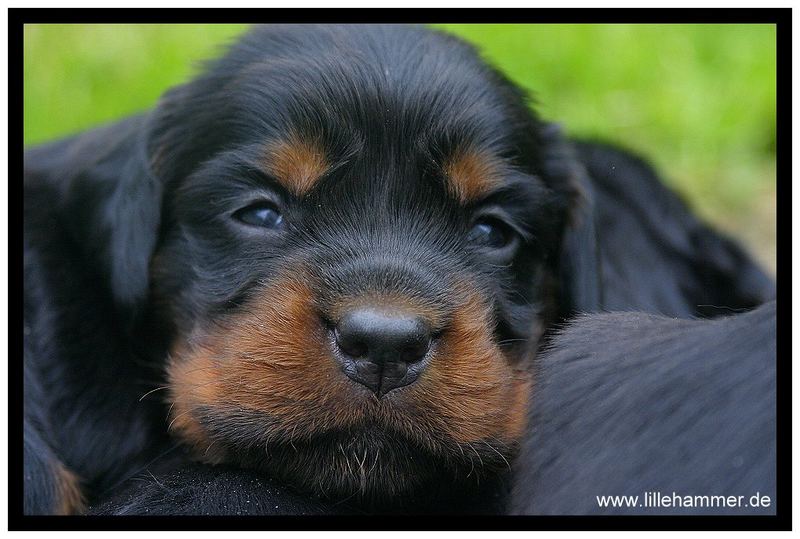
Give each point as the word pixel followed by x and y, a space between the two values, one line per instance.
pixel 698 100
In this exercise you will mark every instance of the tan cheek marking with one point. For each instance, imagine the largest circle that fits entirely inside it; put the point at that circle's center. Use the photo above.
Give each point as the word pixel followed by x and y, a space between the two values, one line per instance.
pixel 471 175
pixel 296 163
pixel 478 393
pixel 273 360
pixel 194 381
pixel 288 371
pixel 68 492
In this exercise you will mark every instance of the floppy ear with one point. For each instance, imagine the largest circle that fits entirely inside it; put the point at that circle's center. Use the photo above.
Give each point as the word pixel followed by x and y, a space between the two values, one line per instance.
pixel 727 276
pixel 579 270
pixel 108 201
pixel 657 254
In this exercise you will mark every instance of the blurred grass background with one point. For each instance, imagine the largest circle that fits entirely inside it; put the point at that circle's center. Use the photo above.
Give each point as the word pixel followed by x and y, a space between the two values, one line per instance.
pixel 697 100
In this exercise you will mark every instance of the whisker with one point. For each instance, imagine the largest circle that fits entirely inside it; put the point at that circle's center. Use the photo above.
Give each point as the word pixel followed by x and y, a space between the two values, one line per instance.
pixel 176 417
pixel 209 447
pixel 490 446
pixel 152 391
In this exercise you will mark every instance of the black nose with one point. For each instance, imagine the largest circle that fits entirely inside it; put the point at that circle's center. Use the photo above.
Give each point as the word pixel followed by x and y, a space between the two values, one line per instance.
pixel 382 350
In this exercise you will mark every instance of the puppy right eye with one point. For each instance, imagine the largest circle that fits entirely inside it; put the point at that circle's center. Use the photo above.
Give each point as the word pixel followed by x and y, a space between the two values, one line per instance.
pixel 261 214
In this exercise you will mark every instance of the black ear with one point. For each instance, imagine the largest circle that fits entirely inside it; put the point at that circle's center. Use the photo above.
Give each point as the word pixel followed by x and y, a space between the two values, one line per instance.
pixel 727 278
pixel 107 201
pixel 579 271
pixel 580 257
pixel 655 253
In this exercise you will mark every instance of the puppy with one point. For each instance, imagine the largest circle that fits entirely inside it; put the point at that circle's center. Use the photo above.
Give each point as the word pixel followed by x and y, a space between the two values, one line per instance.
pixel 330 259
pixel 637 405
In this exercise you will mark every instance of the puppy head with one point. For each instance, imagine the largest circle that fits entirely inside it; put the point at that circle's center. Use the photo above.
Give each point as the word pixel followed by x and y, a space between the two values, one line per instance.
pixel 358 252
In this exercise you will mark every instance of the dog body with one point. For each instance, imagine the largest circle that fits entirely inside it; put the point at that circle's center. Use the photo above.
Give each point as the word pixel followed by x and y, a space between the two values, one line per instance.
pixel 633 404
pixel 329 258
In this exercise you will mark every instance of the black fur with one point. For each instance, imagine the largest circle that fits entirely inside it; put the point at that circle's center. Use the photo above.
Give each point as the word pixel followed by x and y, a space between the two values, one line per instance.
pixel 178 487
pixel 632 403
pixel 197 489
pixel 655 255
pixel 129 241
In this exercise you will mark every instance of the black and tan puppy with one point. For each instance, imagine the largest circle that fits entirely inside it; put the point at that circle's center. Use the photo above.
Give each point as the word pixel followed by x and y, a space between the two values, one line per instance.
pixel 335 252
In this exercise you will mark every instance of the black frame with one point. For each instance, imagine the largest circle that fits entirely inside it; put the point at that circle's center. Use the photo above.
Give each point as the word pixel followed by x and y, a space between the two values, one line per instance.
pixel 781 17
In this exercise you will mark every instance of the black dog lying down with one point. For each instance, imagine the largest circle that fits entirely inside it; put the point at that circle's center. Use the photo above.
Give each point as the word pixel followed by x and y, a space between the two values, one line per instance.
pixel 631 403
pixel 330 259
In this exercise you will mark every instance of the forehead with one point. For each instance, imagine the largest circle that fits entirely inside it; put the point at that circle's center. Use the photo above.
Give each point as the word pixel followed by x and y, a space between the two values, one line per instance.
pixel 388 97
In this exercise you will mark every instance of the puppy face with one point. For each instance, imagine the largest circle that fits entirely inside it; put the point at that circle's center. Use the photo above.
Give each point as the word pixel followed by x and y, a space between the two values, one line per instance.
pixel 356 259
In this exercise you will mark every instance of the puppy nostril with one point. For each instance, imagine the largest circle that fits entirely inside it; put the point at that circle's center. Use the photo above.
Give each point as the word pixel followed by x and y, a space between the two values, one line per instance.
pixel 350 344
pixel 416 351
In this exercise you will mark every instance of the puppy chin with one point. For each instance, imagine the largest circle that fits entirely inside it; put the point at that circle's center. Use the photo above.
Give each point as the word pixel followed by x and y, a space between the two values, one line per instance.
pixel 372 465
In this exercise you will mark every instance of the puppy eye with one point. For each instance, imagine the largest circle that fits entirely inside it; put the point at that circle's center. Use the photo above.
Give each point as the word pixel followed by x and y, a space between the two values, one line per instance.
pixel 261 214
pixel 490 233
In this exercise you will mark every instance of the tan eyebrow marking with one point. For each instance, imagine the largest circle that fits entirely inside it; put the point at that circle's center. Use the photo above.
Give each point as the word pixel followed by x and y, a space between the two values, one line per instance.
pixel 471 174
pixel 296 163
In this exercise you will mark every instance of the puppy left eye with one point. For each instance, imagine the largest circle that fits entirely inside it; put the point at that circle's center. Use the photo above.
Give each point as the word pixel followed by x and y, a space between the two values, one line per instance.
pixel 261 214
pixel 490 233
